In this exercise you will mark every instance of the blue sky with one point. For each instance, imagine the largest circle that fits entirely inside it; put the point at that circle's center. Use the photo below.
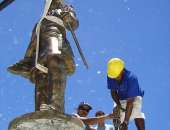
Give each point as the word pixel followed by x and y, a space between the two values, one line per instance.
pixel 135 30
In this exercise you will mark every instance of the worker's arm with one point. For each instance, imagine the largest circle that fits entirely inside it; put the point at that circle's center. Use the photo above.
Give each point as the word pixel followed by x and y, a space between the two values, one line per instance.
pixel 128 112
pixel 115 97
pixel 129 108
pixel 95 120
pixel 133 91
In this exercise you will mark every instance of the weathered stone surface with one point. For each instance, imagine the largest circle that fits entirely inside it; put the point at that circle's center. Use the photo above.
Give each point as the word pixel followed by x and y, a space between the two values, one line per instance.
pixel 46 120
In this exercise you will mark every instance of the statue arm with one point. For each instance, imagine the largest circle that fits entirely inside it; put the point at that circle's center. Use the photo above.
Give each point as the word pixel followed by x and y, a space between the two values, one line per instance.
pixel 68 15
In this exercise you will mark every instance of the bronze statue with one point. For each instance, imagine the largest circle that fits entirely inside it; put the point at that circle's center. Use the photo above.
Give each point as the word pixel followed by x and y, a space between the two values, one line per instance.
pixel 49 58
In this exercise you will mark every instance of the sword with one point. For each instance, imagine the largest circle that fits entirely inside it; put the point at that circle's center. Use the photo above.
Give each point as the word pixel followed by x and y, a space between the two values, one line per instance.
pixel 5 3
pixel 75 39
pixel 78 45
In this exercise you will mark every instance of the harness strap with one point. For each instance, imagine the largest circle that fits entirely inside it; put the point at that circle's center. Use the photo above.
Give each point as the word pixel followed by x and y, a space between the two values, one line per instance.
pixel 50 18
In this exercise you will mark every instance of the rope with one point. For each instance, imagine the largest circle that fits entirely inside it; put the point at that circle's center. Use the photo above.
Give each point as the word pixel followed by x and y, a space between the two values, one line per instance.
pixel 116 120
pixel 51 18
pixel 37 65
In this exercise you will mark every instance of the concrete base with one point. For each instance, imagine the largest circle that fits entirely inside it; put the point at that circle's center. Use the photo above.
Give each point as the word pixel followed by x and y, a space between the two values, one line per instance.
pixel 46 120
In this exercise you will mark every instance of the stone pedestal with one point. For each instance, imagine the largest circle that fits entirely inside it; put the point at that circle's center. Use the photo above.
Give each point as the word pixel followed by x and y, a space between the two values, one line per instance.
pixel 46 120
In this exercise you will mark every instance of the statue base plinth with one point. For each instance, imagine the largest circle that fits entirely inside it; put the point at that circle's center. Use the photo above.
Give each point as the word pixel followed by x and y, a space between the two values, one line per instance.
pixel 46 120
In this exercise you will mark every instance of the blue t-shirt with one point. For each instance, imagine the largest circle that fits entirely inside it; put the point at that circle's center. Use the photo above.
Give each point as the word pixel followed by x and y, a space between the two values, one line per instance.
pixel 128 88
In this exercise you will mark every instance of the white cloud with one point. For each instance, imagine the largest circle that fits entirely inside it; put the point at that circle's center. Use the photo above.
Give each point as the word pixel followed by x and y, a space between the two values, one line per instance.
pixel 69 98
pixel 15 40
pixel 125 1
pixel 128 8
pixel 77 65
pixel 70 1
pixel 90 10
pixel 103 51
pixel 92 91
pixel 79 59
pixel 99 72
pixel 10 29
pixel 79 81
pixel 93 53
pixel 1 115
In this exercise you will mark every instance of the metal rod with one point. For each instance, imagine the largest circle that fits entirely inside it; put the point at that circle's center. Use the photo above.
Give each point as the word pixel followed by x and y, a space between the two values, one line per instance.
pixel 78 45
pixel 5 3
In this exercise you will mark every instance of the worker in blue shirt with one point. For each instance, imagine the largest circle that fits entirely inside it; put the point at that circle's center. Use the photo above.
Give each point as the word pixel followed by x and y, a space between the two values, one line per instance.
pixel 126 93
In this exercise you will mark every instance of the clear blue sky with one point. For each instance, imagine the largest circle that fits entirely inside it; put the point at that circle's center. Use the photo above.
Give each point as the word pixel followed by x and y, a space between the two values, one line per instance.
pixel 136 30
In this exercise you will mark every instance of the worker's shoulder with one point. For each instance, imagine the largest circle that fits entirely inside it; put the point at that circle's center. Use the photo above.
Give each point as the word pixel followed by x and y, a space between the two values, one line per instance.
pixel 130 75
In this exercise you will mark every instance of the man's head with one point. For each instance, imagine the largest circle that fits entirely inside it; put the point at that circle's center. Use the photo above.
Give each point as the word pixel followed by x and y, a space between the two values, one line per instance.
pixel 83 109
pixel 99 113
pixel 115 68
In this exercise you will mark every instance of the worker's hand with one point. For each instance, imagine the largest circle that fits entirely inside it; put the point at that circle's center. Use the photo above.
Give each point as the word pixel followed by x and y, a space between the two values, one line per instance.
pixel 116 108
pixel 110 116
pixel 123 126
pixel 119 108
pixel 116 111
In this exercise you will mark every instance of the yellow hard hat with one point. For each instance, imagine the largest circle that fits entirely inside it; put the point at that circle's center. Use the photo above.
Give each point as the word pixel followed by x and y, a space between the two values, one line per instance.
pixel 115 67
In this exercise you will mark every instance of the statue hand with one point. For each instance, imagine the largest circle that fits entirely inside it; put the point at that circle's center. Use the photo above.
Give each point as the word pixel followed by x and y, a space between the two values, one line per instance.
pixel 68 16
